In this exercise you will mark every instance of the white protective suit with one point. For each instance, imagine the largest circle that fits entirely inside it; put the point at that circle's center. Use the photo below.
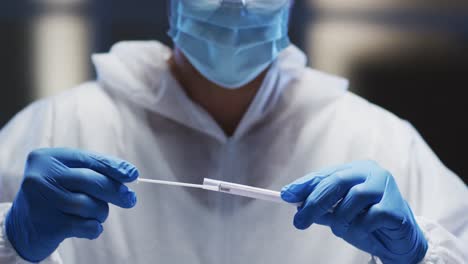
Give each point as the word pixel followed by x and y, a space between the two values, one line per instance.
pixel 300 121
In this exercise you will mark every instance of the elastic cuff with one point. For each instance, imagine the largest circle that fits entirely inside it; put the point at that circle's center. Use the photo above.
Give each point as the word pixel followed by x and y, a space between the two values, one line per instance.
pixel 7 251
pixel 443 247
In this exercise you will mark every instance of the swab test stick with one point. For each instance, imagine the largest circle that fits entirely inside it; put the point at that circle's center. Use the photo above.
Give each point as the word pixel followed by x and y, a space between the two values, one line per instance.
pixel 228 187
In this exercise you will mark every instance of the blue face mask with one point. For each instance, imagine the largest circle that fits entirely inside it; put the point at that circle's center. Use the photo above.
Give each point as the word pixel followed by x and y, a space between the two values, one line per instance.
pixel 230 42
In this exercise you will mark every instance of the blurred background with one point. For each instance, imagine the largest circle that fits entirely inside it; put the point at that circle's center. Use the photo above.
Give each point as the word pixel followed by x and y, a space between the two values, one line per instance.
pixel 410 57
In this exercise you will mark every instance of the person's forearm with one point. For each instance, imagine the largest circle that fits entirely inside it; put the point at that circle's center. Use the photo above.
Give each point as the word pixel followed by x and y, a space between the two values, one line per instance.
pixel 8 254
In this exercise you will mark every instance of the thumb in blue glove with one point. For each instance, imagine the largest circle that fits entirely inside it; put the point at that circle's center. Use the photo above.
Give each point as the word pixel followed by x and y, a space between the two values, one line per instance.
pixel 65 193
pixel 361 204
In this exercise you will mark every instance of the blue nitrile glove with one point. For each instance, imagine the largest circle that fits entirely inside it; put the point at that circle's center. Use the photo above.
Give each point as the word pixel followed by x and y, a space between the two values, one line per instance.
pixel 65 193
pixel 370 212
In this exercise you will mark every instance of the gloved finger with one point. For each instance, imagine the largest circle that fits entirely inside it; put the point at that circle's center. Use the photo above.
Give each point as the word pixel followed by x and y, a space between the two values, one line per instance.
pixel 98 186
pixel 300 189
pixel 377 217
pixel 359 198
pixel 119 170
pixel 326 219
pixel 356 202
pixel 82 205
pixel 327 194
pixel 83 228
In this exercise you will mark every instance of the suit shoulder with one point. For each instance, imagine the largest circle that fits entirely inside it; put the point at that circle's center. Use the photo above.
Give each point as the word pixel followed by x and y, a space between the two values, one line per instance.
pixel 88 100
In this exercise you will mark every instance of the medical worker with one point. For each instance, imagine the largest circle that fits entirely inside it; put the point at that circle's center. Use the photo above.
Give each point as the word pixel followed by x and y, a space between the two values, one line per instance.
pixel 232 101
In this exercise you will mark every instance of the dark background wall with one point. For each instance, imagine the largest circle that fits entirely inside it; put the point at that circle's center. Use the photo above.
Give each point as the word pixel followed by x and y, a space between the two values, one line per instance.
pixel 422 83
pixel 14 67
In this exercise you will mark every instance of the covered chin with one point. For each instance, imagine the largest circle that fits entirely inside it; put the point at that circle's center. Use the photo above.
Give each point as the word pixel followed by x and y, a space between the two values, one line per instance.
pixel 226 80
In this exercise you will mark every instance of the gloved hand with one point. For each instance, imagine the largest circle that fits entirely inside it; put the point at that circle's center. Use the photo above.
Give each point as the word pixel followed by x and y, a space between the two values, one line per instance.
pixel 65 193
pixel 361 203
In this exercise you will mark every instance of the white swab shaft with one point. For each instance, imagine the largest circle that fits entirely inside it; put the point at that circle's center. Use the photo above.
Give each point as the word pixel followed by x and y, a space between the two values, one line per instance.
pixel 180 184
